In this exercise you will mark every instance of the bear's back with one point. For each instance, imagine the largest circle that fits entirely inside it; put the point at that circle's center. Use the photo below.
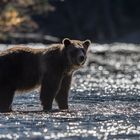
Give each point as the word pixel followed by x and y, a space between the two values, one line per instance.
pixel 19 67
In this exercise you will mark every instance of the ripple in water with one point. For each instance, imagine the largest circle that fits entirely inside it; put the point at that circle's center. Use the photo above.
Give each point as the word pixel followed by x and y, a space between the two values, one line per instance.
pixel 104 102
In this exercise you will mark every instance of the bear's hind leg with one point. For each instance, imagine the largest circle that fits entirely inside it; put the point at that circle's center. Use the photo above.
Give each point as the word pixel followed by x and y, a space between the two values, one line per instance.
pixel 6 98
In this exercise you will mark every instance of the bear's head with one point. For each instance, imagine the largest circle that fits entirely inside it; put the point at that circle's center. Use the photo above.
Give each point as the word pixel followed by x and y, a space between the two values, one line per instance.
pixel 76 51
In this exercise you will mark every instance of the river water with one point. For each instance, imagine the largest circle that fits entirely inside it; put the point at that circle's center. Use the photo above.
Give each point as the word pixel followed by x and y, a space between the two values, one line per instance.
pixel 104 101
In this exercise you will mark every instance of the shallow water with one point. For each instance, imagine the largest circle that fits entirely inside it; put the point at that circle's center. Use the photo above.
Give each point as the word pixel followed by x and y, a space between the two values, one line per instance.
pixel 104 102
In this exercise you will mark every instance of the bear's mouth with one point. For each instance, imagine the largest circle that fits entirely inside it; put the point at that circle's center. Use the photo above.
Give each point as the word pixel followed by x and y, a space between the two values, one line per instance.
pixel 83 62
pixel 80 63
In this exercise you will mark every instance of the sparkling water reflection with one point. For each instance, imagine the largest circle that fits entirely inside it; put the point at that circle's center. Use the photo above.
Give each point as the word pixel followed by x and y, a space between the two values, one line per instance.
pixel 104 102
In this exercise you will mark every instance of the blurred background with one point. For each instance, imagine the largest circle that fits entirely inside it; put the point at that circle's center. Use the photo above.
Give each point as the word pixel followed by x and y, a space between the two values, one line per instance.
pixel 47 21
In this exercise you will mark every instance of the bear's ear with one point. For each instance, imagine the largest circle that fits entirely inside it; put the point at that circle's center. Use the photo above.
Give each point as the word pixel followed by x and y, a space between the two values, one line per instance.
pixel 86 44
pixel 66 41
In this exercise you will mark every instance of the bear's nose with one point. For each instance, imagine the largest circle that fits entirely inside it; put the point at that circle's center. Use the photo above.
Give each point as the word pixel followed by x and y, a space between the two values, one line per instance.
pixel 81 58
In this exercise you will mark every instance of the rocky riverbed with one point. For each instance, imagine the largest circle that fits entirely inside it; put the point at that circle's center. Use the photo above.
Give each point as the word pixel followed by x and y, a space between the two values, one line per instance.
pixel 104 101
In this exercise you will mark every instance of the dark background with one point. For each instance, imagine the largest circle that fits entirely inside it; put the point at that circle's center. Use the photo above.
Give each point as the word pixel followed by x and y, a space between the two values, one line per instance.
pixel 47 21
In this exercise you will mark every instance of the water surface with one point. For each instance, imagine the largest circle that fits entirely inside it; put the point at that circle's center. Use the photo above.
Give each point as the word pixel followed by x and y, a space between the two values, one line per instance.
pixel 104 102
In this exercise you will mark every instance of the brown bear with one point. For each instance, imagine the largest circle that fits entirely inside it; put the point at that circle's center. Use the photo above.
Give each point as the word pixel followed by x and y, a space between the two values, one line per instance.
pixel 51 68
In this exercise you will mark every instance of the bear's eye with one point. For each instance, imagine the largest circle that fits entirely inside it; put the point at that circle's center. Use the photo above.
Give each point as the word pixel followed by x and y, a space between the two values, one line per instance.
pixel 83 50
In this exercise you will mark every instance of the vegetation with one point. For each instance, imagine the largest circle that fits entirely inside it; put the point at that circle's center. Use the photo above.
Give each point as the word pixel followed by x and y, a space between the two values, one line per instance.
pixel 24 21
pixel 16 16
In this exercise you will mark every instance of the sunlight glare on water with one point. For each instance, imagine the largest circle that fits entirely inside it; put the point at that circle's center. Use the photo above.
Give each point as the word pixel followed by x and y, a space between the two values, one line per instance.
pixel 104 101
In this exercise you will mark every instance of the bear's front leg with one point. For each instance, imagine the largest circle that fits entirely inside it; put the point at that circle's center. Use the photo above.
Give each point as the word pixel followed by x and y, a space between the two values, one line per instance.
pixel 49 88
pixel 62 96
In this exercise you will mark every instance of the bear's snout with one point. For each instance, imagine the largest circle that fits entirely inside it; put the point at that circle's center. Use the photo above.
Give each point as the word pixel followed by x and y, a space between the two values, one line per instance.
pixel 81 58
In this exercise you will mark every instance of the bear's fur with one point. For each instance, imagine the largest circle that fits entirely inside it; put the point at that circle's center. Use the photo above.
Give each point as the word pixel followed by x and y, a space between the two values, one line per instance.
pixel 23 68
